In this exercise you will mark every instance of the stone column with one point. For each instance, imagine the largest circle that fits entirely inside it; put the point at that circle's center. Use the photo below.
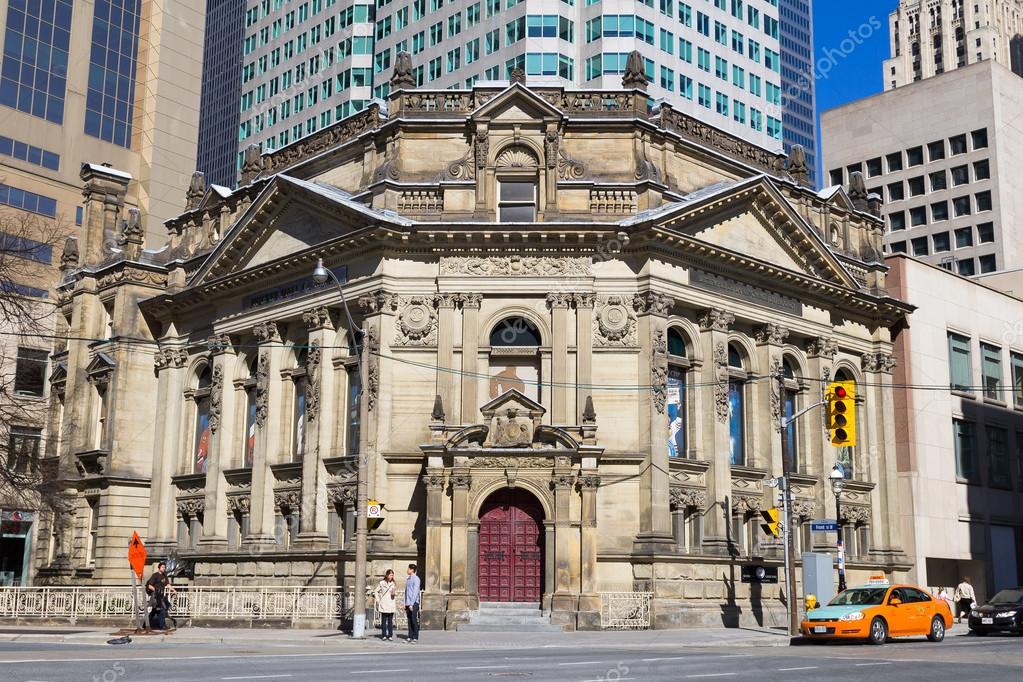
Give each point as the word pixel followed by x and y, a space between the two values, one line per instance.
pixel 559 357
pixel 654 517
pixel 589 599
pixel 319 417
pixel 470 351
pixel 268 432
pixel 769 435
pixel 565 602
pixel 446 311
pixel 460 602
pixel 583 352
pixel 820 355
pixel 876 434
pixel 714 324
pixel 434 590
pixel 222 408
pixel 170 363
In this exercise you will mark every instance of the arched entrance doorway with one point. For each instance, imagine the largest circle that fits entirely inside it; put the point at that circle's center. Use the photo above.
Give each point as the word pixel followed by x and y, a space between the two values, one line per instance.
pixel 511 546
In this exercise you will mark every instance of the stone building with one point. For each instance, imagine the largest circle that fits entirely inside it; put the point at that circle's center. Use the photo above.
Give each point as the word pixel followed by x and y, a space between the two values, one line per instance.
pixel 574 307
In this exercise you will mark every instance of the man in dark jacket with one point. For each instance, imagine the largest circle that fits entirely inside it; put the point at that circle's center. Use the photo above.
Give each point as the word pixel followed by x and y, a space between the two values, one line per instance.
pixel 156 588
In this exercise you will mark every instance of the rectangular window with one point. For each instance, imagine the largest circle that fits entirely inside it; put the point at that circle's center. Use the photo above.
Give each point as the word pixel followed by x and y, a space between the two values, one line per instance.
pixel 30 372
pixel 983 201
pixel 957 144
pixel 961 206
pixel 991 370
pixel 33 78
pixel 960 363
pixel 894 162
pixel 965 449
pixel 998 456
pixel 964 237
pixel 939 181
pixel 29 153
pixel 982 170
pixel 33 203
pixel 23 449
pixel 979 138
pixel 110 100
pixel 92 530
pixel 517 201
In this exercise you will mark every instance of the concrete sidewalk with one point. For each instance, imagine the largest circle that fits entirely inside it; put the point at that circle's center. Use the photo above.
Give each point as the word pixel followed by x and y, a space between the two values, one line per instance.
pixel 704 637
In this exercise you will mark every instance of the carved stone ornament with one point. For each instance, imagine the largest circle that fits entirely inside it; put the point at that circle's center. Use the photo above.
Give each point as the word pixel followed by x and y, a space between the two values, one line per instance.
pixel 614 324
pixel 512 430
pixel 551 144
pixel 645 168
pixel 219 343
pixel 715 319
pixel 855 514
pixel 373 368
pixel 252 163
pixel 460 481
pixel 569 168
pixel 374 302
pixel 821 348
pixel 681 498
pixel 877 362
pixel 318 318
pixel 437 415
pixel 517 76
pixel 239 503
pixel 517 156
pixel 191 507
pixel 314 356
pixel 286 499
pixel 772 333
pixel 433 482
pixel 659 371
pixel 196 191
pixel 589 482
pixel 653 303
pixel 797 166
pixel 635 71
pixel 776 370
pixel 804 508
pixel 388 168
pixel 216 397
pixel 464 168
pixel 524 462
pixel 262 388
pixel 746 504
pixel 402 76
pixel 267 332
pixel 517 266
pixel 170 357
pixel 345 495
pixel 417 321
pixel 133 275
pixel 558 300
pixel 563 481
pixel 69 257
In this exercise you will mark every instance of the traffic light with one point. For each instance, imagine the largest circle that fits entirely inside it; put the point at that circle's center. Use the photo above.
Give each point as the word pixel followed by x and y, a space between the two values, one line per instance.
pixel 841 398
pixel 772 521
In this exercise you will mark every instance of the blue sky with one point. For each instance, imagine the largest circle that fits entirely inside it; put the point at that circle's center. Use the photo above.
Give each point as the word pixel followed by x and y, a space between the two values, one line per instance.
pixel 849 69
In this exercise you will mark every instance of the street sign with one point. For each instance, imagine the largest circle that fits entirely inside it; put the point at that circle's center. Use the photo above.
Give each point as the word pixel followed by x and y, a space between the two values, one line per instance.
pixel 374 510
pixel 136 554
pixel 824 525
pixel 755 573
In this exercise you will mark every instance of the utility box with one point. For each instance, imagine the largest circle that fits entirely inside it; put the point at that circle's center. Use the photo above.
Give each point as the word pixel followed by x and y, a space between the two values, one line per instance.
pixel 818 576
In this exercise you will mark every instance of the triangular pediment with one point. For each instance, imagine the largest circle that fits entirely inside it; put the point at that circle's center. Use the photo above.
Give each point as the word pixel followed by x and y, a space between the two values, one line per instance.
pixel 515 104
pixel 288 217
pixel 100 364
pixel 751 218
pixel 515 401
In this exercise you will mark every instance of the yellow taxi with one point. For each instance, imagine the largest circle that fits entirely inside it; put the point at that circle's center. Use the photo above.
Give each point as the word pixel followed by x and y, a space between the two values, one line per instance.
pixel 877 611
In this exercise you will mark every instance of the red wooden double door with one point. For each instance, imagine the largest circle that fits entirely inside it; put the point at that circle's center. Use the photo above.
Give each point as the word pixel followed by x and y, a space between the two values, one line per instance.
pixel 511 548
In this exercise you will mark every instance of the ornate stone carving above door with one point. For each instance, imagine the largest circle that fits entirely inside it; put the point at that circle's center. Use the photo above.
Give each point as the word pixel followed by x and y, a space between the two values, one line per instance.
pixel 614 324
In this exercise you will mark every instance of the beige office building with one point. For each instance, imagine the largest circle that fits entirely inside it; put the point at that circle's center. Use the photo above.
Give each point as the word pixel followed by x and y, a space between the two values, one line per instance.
pixel 942 154
pixel 960 449
pixel 107 82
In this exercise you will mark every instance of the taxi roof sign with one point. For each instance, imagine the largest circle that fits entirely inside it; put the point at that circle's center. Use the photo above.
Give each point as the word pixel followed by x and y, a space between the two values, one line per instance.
pixel 878 579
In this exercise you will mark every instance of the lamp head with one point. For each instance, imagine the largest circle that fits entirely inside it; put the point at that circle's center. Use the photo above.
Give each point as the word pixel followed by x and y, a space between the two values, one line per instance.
pixel 320 273
pixel 837 477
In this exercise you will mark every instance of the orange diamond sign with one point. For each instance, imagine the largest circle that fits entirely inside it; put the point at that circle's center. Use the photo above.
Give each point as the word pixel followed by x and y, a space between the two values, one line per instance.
pixel 136 554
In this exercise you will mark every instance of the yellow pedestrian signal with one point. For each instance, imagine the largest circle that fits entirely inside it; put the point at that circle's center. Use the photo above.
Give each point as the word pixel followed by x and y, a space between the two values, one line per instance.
pixel 841 399
pixel 772 521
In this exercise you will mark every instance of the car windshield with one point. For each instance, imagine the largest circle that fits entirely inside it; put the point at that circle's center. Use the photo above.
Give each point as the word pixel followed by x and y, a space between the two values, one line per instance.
pixel 1008 597
pixel 863 596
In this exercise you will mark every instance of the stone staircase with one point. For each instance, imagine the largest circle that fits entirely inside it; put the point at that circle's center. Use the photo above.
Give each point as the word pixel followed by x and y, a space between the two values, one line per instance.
pixel 509 617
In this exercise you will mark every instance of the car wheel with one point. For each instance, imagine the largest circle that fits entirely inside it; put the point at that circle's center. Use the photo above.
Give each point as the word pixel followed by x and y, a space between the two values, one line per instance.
pixel 878 631
pixel 937 632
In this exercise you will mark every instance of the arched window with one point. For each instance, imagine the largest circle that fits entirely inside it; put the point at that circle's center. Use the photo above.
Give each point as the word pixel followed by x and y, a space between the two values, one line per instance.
pixel 737 377
pixel 790 436
pixel 201 454
pixel 249 436
pixel 354 399
pixel 678 416
pixel 514 357
pixel 845 457
pixel 301 381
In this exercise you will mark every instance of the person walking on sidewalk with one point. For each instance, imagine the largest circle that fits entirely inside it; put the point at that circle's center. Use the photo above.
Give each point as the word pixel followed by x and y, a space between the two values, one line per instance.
pixel 385 599
pixel 412 599
pixel 157 588
pixel 965 598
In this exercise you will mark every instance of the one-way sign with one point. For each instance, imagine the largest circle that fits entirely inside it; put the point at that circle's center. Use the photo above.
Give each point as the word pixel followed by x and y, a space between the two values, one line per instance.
pixel 824 525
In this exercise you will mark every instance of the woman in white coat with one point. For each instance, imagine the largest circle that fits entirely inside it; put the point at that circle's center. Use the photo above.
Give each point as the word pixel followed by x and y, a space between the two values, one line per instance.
pixel 385 601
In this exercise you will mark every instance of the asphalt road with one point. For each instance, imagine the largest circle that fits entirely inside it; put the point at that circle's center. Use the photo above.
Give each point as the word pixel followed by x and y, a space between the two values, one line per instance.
pixel 958 658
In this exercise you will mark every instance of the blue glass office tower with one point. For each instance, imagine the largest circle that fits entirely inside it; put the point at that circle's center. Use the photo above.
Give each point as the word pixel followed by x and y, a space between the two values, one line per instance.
pixel 799 101
pixel 221 91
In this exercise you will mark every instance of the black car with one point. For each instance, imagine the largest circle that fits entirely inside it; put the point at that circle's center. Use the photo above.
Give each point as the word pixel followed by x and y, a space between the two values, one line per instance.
pixel 1004 613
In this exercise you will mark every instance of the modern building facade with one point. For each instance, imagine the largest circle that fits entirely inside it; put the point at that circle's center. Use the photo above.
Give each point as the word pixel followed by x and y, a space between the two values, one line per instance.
pixel 798 80
pixel 115 82
pixel 583 320
pixel 931 37
pixel 221 91
pixel 942 153
pixel 308 64
pixel 960 448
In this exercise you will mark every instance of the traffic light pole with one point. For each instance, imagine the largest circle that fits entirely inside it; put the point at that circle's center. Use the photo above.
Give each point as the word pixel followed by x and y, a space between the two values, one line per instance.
pixel 790 549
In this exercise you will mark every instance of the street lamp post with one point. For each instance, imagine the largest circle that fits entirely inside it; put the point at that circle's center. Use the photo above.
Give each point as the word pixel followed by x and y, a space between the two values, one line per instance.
pixel 837 483
pixel 322 275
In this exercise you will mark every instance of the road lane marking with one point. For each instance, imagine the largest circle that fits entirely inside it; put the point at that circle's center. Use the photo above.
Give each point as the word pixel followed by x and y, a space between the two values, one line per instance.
pixel 482 667
pixel 582 663
pixel 712 675
pixel 666 658
pixel 256 677
pixel 368 672
pixel 860 665
pixel 602 679
pixel 736 656
pixel 808 667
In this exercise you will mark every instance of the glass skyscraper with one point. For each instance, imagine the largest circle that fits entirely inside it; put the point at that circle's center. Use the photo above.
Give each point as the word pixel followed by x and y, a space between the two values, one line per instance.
pixel 221 90
pixel 799 100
